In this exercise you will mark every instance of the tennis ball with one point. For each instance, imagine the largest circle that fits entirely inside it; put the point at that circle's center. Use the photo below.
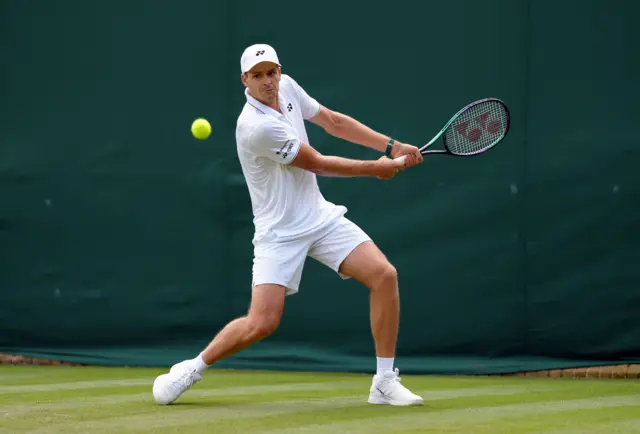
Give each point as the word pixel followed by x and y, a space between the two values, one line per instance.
pixel 200 128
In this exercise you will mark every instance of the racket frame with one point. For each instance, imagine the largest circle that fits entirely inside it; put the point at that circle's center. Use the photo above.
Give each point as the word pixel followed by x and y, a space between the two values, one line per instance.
pixel 424 151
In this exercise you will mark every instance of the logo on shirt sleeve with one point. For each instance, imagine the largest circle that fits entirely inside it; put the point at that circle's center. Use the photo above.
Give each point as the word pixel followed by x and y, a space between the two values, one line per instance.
pixel 289 107
pixel 285 149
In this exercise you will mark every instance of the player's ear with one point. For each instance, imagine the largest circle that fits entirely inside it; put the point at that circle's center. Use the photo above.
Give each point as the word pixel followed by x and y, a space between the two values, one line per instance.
pixel 243 77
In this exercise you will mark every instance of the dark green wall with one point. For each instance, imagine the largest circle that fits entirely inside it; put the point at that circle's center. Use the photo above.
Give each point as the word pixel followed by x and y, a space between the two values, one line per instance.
pixel 125 241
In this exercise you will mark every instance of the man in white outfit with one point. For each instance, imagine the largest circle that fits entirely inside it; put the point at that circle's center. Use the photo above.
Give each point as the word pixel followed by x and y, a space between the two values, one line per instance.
pixel 293 220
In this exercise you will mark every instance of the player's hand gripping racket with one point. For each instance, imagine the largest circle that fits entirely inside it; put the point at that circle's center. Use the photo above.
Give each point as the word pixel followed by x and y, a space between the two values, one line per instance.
pixel 475 129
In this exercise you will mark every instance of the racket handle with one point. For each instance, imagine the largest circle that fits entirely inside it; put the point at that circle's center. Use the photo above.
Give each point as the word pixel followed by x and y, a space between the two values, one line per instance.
pixel 401 158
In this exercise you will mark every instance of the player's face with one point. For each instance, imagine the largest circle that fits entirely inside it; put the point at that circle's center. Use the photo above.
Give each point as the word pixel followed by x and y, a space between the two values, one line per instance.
pixel 263 81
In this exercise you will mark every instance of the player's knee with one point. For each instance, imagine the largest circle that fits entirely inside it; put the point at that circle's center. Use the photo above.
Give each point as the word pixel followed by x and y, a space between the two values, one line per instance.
pixel 263 326
pixel 386 277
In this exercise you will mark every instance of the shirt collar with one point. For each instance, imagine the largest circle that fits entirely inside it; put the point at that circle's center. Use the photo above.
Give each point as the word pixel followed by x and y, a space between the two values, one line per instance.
pixel 262 107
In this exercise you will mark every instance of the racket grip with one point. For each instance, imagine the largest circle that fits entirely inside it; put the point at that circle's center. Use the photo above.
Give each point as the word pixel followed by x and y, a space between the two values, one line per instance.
pixel 401 158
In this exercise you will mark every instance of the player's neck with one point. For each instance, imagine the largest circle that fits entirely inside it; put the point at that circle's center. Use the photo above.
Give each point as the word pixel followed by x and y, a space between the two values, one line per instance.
pixel 274 104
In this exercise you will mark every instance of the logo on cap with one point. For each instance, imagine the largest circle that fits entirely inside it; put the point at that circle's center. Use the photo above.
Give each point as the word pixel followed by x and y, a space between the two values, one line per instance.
pixel 260 53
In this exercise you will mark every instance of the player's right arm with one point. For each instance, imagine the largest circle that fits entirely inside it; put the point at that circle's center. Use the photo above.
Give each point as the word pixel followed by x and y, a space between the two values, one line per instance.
pixel 280 144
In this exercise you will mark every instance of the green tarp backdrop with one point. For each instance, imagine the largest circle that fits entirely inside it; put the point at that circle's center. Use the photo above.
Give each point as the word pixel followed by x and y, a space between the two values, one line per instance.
pixel 123 240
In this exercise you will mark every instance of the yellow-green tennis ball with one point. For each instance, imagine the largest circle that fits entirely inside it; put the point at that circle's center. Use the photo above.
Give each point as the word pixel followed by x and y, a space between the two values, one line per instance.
pixel 200 129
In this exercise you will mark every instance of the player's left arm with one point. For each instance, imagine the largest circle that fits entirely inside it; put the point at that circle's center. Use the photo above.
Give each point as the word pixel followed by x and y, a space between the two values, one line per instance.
pixel 347 128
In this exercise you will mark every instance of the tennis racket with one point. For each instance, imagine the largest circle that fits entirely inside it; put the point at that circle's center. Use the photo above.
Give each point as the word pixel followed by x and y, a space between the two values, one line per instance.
pixel 475 129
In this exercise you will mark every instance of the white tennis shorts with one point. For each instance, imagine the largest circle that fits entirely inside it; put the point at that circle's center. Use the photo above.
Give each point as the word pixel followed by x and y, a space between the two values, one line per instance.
pixel 281 262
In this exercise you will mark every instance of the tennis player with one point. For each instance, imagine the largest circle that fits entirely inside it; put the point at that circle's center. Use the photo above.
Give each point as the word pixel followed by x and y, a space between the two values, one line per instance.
pixel 293 220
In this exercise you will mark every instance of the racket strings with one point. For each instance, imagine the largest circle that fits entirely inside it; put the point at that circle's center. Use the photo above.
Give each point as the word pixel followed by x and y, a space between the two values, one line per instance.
pixel 477 129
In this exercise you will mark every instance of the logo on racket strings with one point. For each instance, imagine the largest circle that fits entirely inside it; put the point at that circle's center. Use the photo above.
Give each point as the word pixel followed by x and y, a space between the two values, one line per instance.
pixel 492 127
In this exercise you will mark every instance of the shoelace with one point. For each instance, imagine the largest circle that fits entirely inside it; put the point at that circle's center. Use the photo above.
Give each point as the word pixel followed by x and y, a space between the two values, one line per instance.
pixel 394 379
pixel 397 376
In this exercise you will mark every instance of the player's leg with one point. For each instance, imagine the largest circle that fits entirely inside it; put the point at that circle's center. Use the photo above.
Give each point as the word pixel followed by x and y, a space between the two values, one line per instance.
pixel 367 264
pixel 277 272
pixel 349 251
pixel 262 319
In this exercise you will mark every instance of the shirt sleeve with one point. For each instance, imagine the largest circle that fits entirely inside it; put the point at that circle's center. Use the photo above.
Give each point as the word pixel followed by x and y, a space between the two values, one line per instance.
pixel 308 105
pixel 272 140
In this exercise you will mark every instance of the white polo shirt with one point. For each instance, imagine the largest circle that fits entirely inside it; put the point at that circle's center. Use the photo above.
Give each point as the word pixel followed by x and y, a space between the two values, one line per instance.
pixel 286 200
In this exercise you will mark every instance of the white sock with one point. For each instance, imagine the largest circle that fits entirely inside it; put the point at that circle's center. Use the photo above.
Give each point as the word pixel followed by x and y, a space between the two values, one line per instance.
pixel 384 364
pixel 201 366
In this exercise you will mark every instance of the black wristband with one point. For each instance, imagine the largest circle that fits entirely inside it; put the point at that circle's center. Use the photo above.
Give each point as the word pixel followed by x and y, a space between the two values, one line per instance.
pixel 389 146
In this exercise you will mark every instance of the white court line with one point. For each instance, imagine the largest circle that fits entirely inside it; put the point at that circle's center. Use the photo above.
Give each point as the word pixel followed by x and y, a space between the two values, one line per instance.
pixel 76 385
pixel 74 403
pixel 625 426
pixel 462 418
pixel 177 416
pixel 17 410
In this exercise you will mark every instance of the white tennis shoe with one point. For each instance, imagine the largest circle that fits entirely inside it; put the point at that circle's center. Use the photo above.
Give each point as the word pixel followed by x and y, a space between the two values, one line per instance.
pixel 386 389
pixel 168 387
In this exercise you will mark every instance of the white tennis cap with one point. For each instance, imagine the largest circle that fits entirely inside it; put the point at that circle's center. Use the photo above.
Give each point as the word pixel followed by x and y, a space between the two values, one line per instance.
pixel 257 53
